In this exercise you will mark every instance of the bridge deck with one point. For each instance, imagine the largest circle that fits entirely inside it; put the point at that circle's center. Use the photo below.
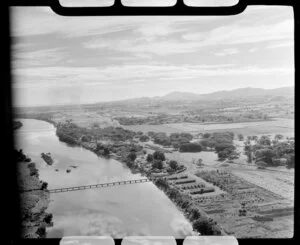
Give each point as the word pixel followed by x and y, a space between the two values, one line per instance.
pixel 84 187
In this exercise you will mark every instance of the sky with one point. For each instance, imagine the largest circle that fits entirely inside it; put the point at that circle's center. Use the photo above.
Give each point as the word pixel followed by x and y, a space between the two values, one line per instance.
pixel 78 60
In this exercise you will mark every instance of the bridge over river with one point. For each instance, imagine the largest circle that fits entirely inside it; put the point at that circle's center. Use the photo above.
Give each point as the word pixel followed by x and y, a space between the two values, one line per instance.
pixel 85 187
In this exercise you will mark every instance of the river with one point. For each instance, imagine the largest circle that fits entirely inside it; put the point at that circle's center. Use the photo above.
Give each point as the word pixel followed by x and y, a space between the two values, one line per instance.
pixel 138 209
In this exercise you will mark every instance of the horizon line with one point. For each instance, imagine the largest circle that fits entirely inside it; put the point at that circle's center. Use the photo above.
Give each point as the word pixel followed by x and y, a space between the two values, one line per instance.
pixel 149 97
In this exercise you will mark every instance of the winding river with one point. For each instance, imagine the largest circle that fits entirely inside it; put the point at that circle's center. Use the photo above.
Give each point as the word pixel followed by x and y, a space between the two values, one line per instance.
pixel 138 209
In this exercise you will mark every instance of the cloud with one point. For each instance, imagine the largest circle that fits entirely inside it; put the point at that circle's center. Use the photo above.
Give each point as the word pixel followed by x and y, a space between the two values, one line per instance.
pixel 150 39
pixel 229 51
pixel 235 34
pixel 251 50
pixel 111 75
pixel 42 57
pixel 281 44
pixel 34 21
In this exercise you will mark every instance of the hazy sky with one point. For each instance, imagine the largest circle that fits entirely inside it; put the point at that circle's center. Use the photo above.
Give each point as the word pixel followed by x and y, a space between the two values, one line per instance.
pixel 59 60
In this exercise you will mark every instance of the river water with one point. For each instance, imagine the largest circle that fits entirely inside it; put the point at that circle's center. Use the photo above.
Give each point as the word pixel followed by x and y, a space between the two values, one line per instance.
pixel 138 209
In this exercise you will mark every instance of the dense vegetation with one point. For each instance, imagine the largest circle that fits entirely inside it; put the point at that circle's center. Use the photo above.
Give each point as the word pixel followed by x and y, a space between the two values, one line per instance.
pixel 73 134
pixel 175 139
pixel 190 147
pixel 222 143
pixel 267 152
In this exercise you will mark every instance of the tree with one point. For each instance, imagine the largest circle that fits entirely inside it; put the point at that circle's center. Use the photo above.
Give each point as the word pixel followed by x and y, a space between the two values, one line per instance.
pixel 206 135
pixel 190 147
pixel 266 155
pixel 264 140
pixel 206 227
pixel 173 164
pixel 248 149
pixel 86 138
pixel 149 158
pixel 157 164
pixel 224 146
pixel 158 155
pixel 290 161
pixel 106 151
pixel 194 214
pixel 48 218
pixel 44 186
pixel 162 183
pixel 131 156
pixel 33 170
pixel 207 143
pixel 240 137
pixel 222 155
pixel 278 137
pixel 144 138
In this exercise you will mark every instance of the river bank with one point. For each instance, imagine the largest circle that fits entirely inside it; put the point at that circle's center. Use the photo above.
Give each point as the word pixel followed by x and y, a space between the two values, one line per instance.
pixel 34 218
pixel 121 211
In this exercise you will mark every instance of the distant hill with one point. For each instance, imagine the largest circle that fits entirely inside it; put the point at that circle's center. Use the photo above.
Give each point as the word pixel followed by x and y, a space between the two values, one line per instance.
pixel 231 94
